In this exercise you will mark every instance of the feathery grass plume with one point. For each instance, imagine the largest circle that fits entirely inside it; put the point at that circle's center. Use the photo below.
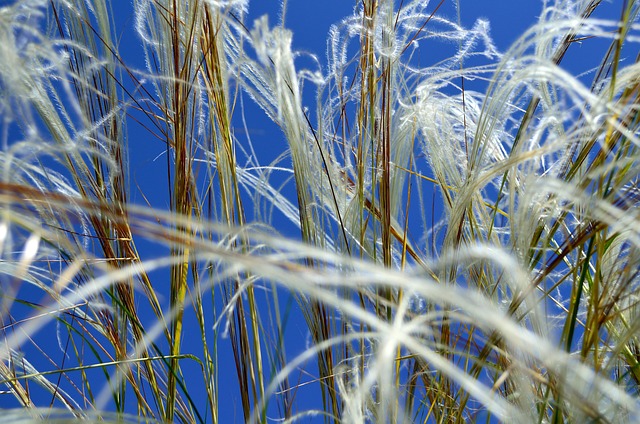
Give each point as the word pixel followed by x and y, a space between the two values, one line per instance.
pixel 514 299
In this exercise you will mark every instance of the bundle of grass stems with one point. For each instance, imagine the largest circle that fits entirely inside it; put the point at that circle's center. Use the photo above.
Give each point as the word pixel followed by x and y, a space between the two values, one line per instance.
pixel 427 229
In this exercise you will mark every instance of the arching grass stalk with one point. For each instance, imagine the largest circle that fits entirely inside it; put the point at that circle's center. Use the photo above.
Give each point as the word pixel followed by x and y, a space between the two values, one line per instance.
pixel 465 221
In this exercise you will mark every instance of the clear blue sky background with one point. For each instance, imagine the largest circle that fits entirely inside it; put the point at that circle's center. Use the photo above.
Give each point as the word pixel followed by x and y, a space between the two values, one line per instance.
pixel 310 21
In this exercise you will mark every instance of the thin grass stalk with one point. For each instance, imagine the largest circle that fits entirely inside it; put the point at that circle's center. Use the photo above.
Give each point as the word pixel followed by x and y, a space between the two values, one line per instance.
pixel 100 103
pixel 247 347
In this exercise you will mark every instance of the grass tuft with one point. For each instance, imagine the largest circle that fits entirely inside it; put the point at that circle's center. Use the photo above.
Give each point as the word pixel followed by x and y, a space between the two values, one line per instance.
pixel 449 234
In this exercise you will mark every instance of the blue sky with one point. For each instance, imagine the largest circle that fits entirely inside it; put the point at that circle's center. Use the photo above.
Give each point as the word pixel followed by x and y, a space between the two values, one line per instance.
pixel 309 21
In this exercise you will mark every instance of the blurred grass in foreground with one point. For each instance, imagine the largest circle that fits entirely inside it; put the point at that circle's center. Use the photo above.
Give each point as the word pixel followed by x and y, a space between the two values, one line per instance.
pixel 514 299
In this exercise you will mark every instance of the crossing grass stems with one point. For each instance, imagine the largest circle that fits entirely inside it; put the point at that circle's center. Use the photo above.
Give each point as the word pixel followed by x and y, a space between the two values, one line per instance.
pixel 468 234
